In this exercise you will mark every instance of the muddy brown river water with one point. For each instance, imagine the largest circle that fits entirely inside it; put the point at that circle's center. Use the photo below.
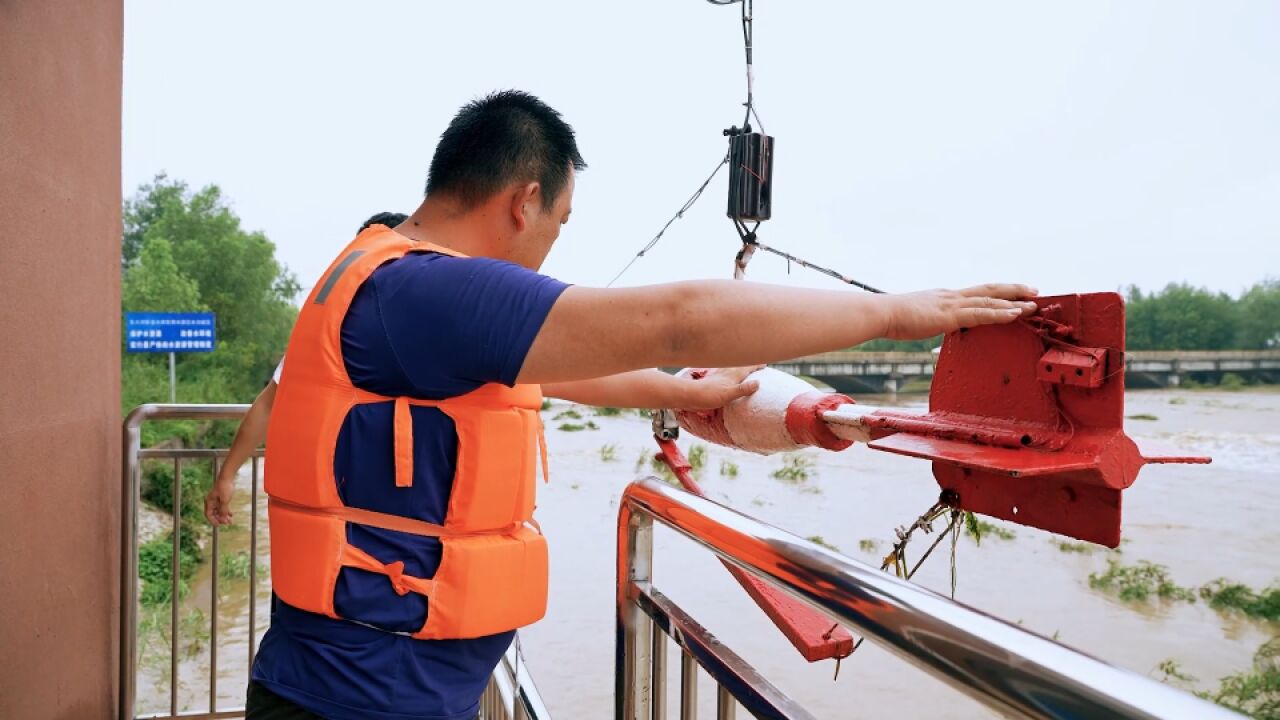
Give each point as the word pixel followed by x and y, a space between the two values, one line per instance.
pixel 1202 522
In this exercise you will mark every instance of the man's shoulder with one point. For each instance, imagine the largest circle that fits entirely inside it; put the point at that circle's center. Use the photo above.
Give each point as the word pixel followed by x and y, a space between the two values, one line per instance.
pixel 428 277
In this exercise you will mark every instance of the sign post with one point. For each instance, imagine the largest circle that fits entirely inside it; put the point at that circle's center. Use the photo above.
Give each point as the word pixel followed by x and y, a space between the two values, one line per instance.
pixel 171 333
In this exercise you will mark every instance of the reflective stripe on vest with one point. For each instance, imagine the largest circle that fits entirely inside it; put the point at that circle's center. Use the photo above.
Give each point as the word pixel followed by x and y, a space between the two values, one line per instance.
pixel 492 575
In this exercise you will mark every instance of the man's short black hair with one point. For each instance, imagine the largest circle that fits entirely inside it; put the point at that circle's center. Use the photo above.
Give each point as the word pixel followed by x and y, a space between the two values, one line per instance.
pixel 390 219
pixel 504 138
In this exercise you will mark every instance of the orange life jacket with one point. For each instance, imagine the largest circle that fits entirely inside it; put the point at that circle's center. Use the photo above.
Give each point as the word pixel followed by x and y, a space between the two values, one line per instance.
pixel 492 575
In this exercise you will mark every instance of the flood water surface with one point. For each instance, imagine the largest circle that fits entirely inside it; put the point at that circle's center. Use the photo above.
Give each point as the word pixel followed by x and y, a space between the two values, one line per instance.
pixel 1201 522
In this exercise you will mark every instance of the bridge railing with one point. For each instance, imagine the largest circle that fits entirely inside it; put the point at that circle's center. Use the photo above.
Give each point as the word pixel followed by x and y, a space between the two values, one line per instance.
pixel 1011 670
pixel 510 694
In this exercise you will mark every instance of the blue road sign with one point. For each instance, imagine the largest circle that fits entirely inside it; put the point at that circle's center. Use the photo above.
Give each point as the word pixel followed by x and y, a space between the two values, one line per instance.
pixel 169 332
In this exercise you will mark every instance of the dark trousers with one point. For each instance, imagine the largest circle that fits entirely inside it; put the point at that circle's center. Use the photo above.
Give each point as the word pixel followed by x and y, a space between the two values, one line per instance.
pixel 262 704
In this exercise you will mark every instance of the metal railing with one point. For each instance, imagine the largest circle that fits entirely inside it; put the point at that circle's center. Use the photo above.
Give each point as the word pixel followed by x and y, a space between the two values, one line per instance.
pixel 1011 670
pixel 509 695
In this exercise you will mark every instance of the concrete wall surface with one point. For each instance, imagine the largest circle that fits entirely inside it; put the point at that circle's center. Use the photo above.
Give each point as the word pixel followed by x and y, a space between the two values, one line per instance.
pixel 60 86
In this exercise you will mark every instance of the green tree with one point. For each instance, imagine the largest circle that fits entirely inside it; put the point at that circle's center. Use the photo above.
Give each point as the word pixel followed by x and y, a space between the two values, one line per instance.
pixel 1260 316
pixel 1181 317
pixel 150 204
pixel 154 282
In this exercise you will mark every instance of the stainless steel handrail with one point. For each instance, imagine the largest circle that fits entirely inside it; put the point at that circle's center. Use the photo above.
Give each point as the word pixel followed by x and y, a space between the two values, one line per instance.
pixel 1011 670
pixel 510 694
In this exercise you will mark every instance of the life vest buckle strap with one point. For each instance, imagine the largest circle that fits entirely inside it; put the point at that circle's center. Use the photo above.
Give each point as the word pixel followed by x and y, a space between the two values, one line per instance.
pixel 403 430
pixel 403 584
pixel 542 450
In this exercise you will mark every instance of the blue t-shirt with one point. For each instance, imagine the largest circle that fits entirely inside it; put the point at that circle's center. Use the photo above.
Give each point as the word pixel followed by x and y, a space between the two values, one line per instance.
pixel 432 327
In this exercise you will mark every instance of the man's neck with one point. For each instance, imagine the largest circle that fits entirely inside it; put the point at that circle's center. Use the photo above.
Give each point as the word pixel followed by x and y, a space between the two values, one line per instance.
pixel 440 223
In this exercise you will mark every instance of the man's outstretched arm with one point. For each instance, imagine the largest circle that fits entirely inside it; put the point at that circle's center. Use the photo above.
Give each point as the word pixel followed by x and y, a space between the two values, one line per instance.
pixel 591 333
pixel 656 389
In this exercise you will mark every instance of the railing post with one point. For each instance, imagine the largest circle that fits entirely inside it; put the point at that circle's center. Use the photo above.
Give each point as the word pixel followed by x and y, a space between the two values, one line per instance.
pixel 132 440
pixel 658 675
pixel 633 671
pixel 688 686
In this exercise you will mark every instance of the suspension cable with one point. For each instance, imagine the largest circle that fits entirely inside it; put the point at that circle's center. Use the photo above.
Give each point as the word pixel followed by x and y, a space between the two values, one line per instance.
pixel 679 214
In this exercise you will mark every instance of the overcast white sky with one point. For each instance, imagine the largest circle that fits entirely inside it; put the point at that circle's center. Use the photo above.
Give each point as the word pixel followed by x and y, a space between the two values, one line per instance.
pixel 1074 146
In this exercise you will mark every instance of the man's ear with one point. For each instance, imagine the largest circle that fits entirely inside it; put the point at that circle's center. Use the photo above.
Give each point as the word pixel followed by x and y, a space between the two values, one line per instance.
pixel 522 199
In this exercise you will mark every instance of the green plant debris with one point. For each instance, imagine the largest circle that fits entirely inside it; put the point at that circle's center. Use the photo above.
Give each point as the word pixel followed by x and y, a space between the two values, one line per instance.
pixel 796 469
pixel 1137 583
pixel 607 411
pixel 697 457
pixel 546 404
pixel 1254 692
pixel 1178 401
pixel 234 566
pixel 1142 416
pixel 609 452
pixel 1223 594
pixel 574 486
pixel 569 414
pixel 868 545
pixel 1171 672
pixel 1078 548
pixel 978 529
pixel 728 469
pixel 577 427
pixel 818 540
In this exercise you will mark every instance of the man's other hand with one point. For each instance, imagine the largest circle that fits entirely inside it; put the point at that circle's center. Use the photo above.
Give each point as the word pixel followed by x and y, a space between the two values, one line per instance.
pixel 217 503
pixel 914 316
pixel 715 388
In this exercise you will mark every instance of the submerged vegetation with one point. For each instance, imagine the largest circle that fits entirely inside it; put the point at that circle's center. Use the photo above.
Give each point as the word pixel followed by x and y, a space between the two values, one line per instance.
pixel 697 458
pixel 796 469
pixel 978 529
pixel 819 540
pixel 1136 583
pixel 1256 691
pixel 235 566
pixel 1079 548
pixel 1222 594
pixel 1145 580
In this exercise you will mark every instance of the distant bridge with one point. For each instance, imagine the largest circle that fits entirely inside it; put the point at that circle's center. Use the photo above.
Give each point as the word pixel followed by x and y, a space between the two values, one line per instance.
pixel 887 372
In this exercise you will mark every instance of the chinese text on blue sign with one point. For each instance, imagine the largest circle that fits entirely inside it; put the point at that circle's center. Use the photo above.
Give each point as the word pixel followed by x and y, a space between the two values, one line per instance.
pixel 169 332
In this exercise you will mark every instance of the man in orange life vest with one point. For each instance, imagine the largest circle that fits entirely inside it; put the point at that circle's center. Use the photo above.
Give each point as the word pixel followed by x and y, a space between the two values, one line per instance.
pixel 405 437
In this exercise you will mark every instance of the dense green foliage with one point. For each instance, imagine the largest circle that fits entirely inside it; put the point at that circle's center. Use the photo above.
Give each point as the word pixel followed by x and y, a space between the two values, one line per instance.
pixel 1179 317
pixel 1182 317
pixel 155 567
